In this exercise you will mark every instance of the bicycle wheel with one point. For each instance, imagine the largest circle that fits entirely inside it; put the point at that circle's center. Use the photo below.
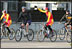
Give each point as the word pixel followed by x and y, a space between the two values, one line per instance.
pixel 30 36
pixel 41 35
pixel 53 39
pixel 11 35
pixel 18 35
pixel 68 36
pixel 1 35
pixel 62 34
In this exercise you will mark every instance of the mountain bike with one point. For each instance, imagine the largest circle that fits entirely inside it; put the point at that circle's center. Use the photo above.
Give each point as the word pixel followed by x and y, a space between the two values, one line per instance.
pixel 41 34
pixel 5 33
pixel 65 33
pixel 22 31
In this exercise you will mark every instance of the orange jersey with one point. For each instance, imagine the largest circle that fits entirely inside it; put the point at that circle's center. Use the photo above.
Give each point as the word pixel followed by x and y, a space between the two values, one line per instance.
pixel 50 20
pixel 8 19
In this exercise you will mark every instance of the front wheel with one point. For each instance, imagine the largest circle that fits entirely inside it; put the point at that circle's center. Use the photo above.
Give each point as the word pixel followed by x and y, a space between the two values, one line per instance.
pixel 54 37
pixel 62 34
pixel 30 36
pixel 11 35
pixel 40 35
pixel 18 35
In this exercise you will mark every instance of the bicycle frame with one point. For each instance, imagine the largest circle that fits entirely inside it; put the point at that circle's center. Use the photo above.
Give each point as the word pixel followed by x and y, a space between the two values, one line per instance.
pixel 2 28
pixel 42 28
pixel 68 27
pixel 23 30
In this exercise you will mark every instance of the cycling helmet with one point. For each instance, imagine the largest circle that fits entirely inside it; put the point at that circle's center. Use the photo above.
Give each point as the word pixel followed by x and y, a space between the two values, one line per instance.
pixel 67 10
pixel 46 8
pixel 4 11
pixel 23 7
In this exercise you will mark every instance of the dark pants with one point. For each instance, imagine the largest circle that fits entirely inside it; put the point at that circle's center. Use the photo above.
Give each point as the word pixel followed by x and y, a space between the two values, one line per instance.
pixel 8 29
pixel 48 27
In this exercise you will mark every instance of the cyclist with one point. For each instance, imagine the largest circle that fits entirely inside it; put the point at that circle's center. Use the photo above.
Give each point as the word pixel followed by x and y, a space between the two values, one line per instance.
pixel 25 18
pixel 70 22
pixel 66 17
pixel 50 20
pixel 7 21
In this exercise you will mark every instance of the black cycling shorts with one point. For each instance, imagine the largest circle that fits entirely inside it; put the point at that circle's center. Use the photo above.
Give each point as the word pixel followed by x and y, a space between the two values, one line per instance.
pixel 25 22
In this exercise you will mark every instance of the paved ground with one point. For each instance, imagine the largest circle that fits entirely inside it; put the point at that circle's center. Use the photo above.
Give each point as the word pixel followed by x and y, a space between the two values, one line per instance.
pixel 24 43
pixel 36 45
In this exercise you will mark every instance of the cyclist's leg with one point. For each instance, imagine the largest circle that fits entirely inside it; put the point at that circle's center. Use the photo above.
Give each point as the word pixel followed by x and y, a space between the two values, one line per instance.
pixel 66 25
pixel 49 26
pixel 27 26
pixel 46 34
pixel 45 27
pixel 22 25
pixel 8 25
pixel 8 29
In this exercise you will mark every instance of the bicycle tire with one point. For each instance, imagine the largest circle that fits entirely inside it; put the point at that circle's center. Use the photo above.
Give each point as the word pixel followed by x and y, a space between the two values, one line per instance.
pixel 68 37
pixel 31 33
pixel 42 36
pixel 12 34
pixel 62 34
pixel 20 34
pixel 55 36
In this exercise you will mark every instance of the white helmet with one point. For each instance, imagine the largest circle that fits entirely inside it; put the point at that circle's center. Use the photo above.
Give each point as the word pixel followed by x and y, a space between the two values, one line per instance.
pixel 4 11
pixel 23 7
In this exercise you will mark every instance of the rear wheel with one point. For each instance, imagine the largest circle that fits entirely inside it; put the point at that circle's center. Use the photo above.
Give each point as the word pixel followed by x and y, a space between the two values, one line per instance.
pixel 30 36
pixel 68 36
pixel 53 39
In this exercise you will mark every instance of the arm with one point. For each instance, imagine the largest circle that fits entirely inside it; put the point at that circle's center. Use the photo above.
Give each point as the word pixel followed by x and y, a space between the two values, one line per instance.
pixel 1 18
pixel 7 18
pixel 19 17
pixel 49 15
pixel 41 10
pixel 62 18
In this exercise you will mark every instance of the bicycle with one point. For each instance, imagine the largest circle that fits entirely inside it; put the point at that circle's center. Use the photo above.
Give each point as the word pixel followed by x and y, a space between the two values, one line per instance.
pixel 41 34
pixel 65 32
pixel 5 33
pixel 21 31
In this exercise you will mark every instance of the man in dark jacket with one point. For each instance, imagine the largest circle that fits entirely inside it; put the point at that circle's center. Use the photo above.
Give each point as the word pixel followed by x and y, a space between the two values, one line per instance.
pixel 25 18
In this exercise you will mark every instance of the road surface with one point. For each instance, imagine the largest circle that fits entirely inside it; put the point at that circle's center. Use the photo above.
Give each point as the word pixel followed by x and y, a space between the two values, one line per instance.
pixel 24 43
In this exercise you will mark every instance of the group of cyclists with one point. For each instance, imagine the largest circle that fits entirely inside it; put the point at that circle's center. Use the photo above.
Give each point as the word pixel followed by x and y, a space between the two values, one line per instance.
pixel 25 18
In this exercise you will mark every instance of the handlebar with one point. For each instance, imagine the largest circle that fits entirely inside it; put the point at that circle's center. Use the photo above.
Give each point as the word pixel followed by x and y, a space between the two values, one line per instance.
pixel 61 22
